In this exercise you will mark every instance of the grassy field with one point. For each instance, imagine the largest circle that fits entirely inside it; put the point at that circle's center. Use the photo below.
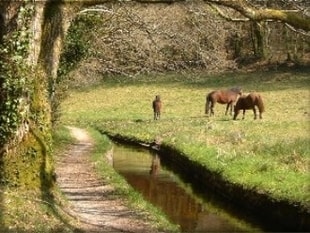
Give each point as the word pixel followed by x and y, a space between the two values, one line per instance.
pixel 270 155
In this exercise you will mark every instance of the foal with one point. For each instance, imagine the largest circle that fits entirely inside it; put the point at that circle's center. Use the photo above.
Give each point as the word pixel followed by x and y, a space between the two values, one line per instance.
pixel 156 107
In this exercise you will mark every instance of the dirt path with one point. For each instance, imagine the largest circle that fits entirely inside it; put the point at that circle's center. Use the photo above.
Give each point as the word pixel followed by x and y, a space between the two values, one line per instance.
pixel 91 199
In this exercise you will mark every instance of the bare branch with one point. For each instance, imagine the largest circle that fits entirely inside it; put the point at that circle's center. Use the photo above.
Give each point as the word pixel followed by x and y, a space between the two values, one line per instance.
pixel 223 15
pixel 95 10
pixel 297 31
pixel 294 18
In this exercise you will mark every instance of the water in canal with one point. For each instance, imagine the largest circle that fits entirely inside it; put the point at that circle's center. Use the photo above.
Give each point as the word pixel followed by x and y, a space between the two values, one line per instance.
pixel 147 173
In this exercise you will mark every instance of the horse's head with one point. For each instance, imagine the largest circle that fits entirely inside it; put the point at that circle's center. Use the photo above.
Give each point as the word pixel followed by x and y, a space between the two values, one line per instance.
pixel 237 90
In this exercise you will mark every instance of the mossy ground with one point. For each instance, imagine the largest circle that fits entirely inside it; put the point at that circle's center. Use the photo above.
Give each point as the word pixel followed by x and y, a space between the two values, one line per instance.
pixel 31 202
pixel 24 210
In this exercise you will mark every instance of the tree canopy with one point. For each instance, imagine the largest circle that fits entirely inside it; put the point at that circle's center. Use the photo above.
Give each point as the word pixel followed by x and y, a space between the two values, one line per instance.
pixel 294 13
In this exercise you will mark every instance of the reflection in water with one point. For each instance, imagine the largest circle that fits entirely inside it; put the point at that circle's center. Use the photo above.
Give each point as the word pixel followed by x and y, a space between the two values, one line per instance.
pixel 155 165
pixel 162 188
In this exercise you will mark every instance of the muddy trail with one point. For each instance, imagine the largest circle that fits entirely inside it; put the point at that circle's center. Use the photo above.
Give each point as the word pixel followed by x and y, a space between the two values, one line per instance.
pixel 92 200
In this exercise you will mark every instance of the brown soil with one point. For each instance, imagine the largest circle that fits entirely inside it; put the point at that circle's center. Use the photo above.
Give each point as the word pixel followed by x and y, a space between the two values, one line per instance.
pixel 91 199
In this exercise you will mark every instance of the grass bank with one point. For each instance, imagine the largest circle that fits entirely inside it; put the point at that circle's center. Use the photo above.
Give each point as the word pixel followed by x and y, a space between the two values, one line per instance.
pixel 133 199
pixel 35 210
pixel 26 210
pixel 271 155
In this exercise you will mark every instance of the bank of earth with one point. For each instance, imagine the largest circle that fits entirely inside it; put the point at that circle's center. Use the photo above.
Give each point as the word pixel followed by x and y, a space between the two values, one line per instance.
pixel 287 215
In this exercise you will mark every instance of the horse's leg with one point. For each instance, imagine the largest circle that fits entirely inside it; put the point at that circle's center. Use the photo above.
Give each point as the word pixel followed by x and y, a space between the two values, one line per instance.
pixel 243 116
pixel 231 108
pixel 227 107
pixel 212 108
pixel 231 105
pixel 236 114
pixel 207 108
pixel 254 111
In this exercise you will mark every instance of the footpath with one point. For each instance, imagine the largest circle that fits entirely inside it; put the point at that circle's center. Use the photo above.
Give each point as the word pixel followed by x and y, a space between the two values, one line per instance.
pixel 90 198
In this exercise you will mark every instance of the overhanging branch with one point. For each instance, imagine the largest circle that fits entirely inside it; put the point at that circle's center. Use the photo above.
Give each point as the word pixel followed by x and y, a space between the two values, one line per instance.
pixel 95 10
pixel 294 18
pixel 226 17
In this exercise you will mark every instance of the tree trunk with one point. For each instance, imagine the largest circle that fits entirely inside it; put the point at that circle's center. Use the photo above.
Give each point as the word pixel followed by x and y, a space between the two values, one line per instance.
pixel 31 36
pixel 258 40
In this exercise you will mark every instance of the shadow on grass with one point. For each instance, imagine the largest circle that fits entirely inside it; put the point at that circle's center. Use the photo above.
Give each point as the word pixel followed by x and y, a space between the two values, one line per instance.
pixel 265 80
pixel 47 183
pixel 255 81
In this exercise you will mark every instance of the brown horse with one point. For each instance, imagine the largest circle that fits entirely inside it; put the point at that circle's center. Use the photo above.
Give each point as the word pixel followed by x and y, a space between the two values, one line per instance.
pixel 157 107
pixel 249 102
pixel 228 97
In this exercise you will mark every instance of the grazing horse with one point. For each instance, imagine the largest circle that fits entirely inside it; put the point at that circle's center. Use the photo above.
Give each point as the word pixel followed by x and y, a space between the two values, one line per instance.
pixel 156 107
pixel 228 97
pixel 249 102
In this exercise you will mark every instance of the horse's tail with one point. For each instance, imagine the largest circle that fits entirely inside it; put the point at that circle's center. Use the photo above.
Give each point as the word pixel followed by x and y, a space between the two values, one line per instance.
pixel 207 107
pixel 260 104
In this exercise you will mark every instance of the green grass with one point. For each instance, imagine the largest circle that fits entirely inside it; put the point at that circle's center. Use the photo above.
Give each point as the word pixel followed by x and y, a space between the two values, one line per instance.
pixel 61 138
pixel 271 155
pixel 23 210
pixel 122 189
pixel 31 210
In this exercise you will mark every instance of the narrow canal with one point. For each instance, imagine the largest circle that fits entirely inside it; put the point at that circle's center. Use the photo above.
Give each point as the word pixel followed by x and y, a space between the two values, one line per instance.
pixel 194 212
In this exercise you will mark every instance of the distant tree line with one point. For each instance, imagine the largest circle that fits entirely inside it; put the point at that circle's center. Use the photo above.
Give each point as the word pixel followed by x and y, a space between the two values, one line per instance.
pixel 133 38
